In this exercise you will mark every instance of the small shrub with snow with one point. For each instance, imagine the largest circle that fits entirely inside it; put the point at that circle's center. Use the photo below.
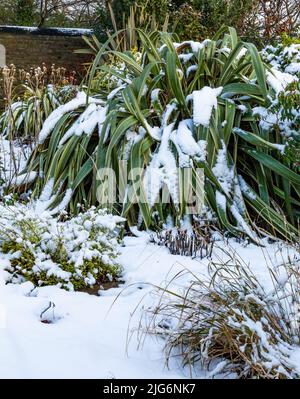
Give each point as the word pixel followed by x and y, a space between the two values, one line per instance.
pixel 284 57
pixel 231 324
pixel 283 113
pixel 74 254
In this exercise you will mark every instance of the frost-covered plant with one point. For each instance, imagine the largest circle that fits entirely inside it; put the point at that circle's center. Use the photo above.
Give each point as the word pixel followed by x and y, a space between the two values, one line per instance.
pixel 187 105
pixel 282 120
pixel 73 253
pixel 13 158
pixel 30 98
pixel 25 117
pixel 284 57
pixel 230 323
pixel 283 114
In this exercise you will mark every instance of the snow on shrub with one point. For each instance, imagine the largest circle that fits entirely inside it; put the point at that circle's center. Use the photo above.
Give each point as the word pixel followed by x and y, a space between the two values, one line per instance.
pixel 283 58
pixel 230 323
pixel 283 112
pixel 74 253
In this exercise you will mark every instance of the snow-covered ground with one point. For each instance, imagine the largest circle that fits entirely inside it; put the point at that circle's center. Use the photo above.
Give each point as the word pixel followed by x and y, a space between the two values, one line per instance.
pixel 96 336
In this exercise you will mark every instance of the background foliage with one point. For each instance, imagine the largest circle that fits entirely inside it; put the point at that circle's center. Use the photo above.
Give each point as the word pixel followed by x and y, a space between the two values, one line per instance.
pixel 195 19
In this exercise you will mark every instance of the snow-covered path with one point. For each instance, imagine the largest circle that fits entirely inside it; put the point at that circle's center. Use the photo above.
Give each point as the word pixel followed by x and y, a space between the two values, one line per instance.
pixel 89 335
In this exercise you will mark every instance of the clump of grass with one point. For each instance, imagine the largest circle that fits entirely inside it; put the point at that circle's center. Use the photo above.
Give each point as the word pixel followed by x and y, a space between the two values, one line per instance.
pixel 231 324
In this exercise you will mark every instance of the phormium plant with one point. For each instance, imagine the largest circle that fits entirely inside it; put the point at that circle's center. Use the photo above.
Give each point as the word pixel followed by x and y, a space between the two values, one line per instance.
pixel 184 104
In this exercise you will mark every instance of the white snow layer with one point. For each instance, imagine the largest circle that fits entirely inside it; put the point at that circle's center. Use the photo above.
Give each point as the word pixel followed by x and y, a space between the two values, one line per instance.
pixel 24 178
pixel 183 138
pixel 162 170
pixel 204 101
pixel 93 116
pixel 279 80
pixel 77 102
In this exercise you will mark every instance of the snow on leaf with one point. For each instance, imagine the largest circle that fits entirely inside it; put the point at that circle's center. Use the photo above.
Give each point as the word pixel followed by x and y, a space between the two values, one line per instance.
pixel 204 101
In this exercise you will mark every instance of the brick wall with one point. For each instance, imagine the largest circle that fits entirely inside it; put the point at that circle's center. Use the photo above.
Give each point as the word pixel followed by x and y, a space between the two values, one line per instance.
pixel 30 47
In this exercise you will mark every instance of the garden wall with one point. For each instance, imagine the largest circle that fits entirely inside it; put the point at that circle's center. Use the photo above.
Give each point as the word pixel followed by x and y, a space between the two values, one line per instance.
pixel 30 47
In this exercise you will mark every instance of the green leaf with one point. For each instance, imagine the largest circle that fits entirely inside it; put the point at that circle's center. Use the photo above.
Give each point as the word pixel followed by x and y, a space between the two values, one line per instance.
pixel 274 165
